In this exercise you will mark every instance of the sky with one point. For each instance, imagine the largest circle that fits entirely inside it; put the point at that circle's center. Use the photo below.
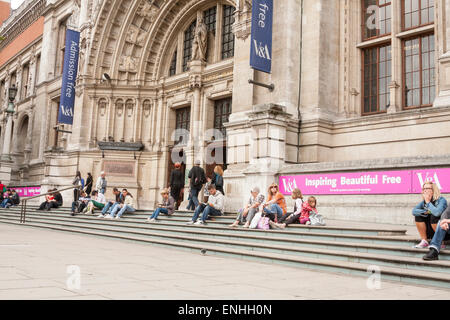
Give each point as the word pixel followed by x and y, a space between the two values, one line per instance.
pixel 16 3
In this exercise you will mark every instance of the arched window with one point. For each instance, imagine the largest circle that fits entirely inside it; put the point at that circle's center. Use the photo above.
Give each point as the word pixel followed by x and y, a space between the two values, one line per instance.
pixel 187 44
pixel 219 21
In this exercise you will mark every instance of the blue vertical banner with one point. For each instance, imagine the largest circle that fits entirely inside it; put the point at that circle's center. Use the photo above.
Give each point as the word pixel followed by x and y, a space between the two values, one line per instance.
pixel 261 38
pixel 70 69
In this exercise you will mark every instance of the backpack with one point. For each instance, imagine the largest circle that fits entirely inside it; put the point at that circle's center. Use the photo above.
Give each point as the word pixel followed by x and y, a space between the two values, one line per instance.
pixel 82 183
pixel 316 219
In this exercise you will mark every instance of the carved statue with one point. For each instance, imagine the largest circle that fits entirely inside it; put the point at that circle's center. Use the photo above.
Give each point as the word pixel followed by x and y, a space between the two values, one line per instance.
pixel 128 63
pixel 199 44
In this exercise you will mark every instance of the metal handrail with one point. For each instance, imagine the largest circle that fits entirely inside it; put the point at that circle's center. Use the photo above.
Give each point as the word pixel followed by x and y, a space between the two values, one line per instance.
pixel 24 200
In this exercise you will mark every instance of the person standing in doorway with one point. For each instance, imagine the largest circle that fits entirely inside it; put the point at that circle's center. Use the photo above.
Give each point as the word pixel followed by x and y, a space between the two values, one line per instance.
pixel 198 179
pixel 218 179
pixel 89 182
pixel 176 184
pixel 101 184
pixel 76 182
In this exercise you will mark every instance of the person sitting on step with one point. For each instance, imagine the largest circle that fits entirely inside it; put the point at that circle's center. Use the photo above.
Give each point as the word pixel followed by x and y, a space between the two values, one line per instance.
pixel 6 198
pixel 276 203
pixel 253 206
pixel 442 232
pixel 79 205
pixel 166 207
pixel 126 206
pixel 428 212
pixel 98 201
pixel 214 207
pixel 52 200
pixel 119 198
pixel 293 217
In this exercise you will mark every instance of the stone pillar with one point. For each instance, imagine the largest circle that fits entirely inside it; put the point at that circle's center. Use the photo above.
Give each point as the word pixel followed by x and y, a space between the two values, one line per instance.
pixel 196 68
pixel 31 75
pixel 443 96
pixel 7 139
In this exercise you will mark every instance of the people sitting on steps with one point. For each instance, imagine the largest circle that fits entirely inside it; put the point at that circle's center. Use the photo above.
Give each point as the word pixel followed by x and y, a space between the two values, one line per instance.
pixel 52 200
pixel 214 207
pixel 119 199
pixel 276 203
pixel 11 199
pixel 167 206
pixel 79 205
pixel 442 233
pixel 293 217
pixel 126 206
pixel 253 207
pixel 428 213
pixel 98 201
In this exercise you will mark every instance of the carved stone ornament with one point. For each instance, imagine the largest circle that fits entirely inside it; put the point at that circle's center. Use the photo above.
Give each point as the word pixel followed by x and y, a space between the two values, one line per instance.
pixel 132 34
pixel 147 10
pixel 130 108
pixel 199 44
pixel 146 108
pixel 119 107
pixel 195 81
pixel 127 63
pixel 102 107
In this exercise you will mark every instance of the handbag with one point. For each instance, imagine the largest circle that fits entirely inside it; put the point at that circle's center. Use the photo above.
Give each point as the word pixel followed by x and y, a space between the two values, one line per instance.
pixel 263 223
pixel 255 221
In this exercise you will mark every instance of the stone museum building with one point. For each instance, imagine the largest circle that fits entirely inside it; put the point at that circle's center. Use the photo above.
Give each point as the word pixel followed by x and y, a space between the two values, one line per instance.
pixel 358 85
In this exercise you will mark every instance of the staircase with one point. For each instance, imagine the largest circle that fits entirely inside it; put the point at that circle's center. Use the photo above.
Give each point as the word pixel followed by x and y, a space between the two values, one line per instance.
pixel 347 250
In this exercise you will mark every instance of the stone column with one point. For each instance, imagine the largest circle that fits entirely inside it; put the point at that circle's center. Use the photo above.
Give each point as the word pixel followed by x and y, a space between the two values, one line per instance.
pixel 7 139
pixel 195 84
pixel 443 96
pixel 32 75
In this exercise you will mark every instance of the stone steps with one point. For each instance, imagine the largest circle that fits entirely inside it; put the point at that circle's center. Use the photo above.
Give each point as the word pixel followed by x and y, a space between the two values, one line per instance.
pixel 347 253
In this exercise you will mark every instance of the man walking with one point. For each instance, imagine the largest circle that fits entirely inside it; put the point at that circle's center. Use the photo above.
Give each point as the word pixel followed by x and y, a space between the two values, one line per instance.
pixel 198 179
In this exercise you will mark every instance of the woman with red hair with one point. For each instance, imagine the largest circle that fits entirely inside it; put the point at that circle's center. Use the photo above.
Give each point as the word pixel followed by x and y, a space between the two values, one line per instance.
pixel 176 183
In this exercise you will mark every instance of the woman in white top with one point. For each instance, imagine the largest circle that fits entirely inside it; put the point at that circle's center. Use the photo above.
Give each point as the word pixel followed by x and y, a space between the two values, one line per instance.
pixel 126 206
pixel 98 201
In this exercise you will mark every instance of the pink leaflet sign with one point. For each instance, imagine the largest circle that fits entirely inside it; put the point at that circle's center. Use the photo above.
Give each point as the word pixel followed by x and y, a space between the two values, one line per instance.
pixel 27 191
pixel 373 182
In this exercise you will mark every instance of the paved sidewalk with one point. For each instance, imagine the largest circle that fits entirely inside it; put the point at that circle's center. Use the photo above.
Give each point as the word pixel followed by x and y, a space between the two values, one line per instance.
pixel 34 263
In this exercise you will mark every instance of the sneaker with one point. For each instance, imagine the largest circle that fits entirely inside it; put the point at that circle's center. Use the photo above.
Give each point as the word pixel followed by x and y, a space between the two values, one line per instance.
pixel 108 217
pixel 422 245
pixel 199 223
pixel 117 217
pixel 308 223
pixel 152 220
pixel 190 222
pixel 433 254
pixel 100 216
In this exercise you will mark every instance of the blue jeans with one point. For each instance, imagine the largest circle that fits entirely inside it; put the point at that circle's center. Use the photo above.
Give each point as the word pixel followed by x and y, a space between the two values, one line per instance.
pixel 158 211
pixel 275 208
pixel 438 237
pixel 126 208
pixel 102 190
pixel 194 196
pixel 109 207
pixel 5 202
pixel 207 210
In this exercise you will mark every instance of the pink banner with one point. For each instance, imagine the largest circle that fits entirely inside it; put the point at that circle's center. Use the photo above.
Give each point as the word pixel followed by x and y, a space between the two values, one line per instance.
pixel 27 191
pixel 373 182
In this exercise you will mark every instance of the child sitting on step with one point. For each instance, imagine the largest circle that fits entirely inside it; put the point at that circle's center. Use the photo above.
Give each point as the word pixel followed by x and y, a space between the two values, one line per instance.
pixel 288 219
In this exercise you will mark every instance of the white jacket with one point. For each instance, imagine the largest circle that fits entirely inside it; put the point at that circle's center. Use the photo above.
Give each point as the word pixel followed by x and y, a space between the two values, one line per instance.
pixel 218 201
